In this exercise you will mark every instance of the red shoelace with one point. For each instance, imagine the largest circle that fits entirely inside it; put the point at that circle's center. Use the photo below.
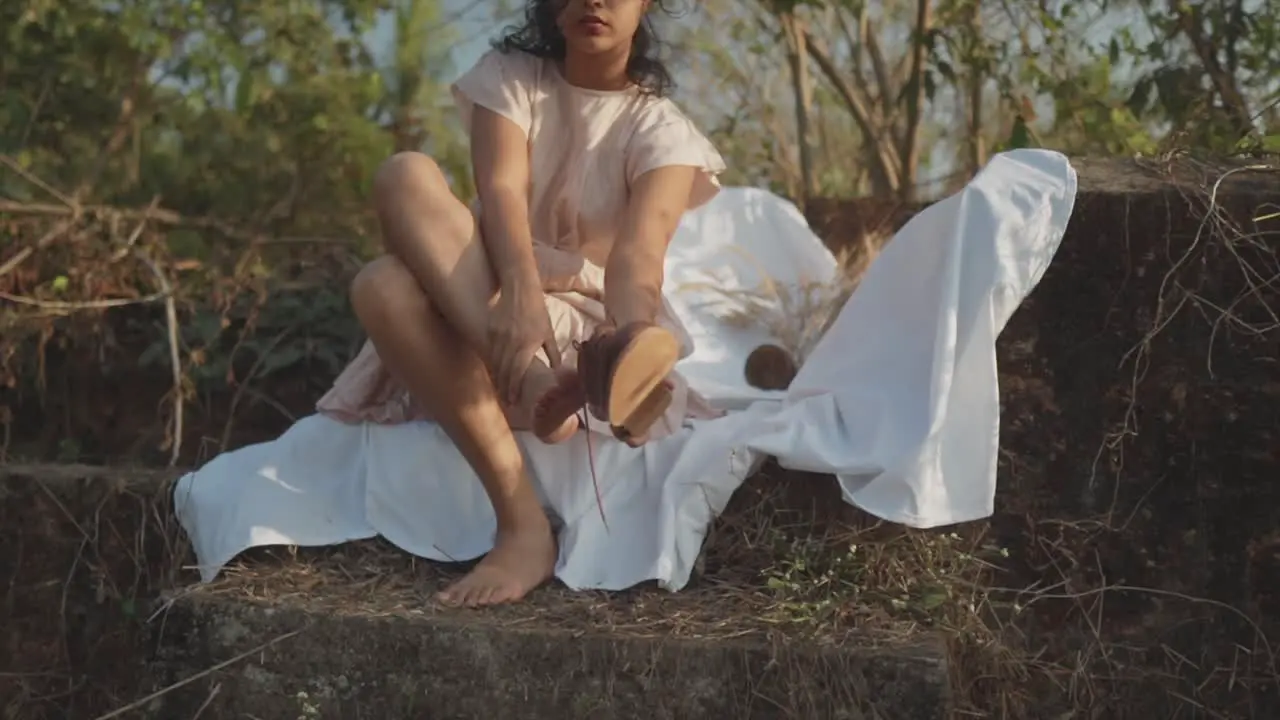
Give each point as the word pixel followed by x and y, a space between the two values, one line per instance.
pixel 591 456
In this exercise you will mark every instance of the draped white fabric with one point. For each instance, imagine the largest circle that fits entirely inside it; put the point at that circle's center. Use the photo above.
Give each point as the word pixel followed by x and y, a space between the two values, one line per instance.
pixel 899 401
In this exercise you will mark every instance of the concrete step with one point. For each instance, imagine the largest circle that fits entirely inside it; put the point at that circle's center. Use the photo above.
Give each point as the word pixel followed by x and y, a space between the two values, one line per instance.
pixel 353 632
pixel 371 643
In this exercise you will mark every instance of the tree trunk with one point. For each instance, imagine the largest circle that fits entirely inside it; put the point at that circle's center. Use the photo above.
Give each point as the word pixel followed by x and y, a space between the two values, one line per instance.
pixel 915 103
pixel 802 88
pixel 977 75
pixel 880 144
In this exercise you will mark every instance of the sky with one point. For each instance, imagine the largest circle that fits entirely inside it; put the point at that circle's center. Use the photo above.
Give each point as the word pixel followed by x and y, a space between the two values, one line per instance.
pixel 472 21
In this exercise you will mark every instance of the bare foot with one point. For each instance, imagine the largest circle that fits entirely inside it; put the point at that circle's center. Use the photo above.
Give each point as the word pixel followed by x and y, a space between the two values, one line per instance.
pixel 520 561
pixel 554 399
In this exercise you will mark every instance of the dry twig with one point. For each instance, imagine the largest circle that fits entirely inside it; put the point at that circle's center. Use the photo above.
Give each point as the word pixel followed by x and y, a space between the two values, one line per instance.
pixel 175 359
pixel 158 215
pixel 202 674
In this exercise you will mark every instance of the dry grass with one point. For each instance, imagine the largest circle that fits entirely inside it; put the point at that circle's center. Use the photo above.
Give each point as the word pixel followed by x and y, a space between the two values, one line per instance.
pixel 869 583
pixel 795 314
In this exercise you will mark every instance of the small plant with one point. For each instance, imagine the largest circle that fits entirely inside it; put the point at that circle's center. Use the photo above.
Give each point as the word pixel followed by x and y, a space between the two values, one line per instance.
pixel 307 708
pixel 918 577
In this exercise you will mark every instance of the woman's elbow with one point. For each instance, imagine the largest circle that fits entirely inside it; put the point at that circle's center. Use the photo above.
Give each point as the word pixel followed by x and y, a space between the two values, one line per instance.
pixel 664 221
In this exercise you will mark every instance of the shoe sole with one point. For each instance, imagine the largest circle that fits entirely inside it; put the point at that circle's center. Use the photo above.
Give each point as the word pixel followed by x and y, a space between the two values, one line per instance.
pixel 638 394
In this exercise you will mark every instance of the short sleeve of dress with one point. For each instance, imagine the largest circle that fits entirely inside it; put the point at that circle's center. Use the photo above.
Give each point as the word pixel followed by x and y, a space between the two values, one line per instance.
pixel 501 82
pixel 666 137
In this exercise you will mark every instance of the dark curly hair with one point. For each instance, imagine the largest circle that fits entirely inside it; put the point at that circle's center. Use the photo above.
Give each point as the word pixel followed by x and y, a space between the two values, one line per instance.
pixel 540 36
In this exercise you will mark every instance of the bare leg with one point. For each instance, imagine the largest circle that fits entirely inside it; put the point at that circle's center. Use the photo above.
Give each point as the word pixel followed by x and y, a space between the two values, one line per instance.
pixel 425 309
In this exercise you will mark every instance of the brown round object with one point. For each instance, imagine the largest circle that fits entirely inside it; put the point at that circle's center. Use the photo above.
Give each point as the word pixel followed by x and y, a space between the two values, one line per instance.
pixel 770 367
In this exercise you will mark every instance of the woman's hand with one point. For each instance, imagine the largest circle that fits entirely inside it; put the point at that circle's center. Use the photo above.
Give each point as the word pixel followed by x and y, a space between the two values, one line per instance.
pixel 518 325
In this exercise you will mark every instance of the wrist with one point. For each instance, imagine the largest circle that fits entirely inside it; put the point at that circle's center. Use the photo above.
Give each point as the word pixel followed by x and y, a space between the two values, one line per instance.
pixel 519 277
pixel 627 303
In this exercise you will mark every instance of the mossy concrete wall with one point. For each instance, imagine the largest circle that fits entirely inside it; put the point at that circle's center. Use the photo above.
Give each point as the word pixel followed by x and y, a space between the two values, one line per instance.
pixel 465 665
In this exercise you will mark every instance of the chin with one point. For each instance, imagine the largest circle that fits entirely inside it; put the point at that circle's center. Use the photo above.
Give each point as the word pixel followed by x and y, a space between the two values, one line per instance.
pixel 592 45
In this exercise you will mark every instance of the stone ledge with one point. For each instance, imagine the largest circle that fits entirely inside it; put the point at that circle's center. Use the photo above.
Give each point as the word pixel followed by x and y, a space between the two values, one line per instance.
pixel 861 224
pixel 415 663
pixel 374 644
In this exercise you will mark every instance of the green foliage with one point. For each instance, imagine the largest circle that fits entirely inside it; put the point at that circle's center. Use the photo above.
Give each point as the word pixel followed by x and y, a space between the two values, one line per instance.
pixel 270 114
pixel 1020 136
pixel 248 122
pixel 268 120
pixel 1082 76
pixel 307 333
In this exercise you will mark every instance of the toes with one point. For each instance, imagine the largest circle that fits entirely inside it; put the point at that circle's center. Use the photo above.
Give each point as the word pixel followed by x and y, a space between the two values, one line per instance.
pixel 506 594
pixel 474 592
pixel 481 597
pixel 461 593
pixel 555 417
pixel 566 430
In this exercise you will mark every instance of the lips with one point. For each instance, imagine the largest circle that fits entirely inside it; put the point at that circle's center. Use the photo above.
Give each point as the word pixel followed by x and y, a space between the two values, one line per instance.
pixel 593 21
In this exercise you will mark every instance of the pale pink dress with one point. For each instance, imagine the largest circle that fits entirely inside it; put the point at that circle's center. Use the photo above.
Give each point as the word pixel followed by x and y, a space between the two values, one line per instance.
pixel 586 149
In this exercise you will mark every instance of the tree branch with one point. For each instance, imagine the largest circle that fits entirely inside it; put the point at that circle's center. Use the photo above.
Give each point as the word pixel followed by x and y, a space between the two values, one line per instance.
pixel 159 216
pixel 888 93
pixel 798 56
pixel 884 156
pixel 1223 82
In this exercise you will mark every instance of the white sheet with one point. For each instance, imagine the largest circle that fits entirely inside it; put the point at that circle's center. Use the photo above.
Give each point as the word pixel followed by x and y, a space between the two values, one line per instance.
pixel 899 400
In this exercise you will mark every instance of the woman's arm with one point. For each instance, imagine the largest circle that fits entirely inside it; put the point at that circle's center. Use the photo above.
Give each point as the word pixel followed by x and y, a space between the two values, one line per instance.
pixel 634 271
pixel 519 323
pixel 500 162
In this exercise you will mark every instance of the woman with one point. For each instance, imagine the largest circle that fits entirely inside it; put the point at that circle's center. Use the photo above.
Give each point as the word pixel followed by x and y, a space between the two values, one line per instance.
pixel 583 170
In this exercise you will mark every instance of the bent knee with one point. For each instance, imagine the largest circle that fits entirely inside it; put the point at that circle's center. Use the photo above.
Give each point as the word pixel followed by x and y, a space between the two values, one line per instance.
pixel 383 286
pixel 408 175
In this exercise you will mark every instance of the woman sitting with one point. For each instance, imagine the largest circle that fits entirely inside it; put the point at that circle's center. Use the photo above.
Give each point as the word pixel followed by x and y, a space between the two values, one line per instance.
pixel 475 316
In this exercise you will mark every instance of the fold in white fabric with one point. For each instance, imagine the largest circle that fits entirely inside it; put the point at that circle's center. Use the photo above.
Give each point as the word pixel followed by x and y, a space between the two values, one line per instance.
pixel 899 400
